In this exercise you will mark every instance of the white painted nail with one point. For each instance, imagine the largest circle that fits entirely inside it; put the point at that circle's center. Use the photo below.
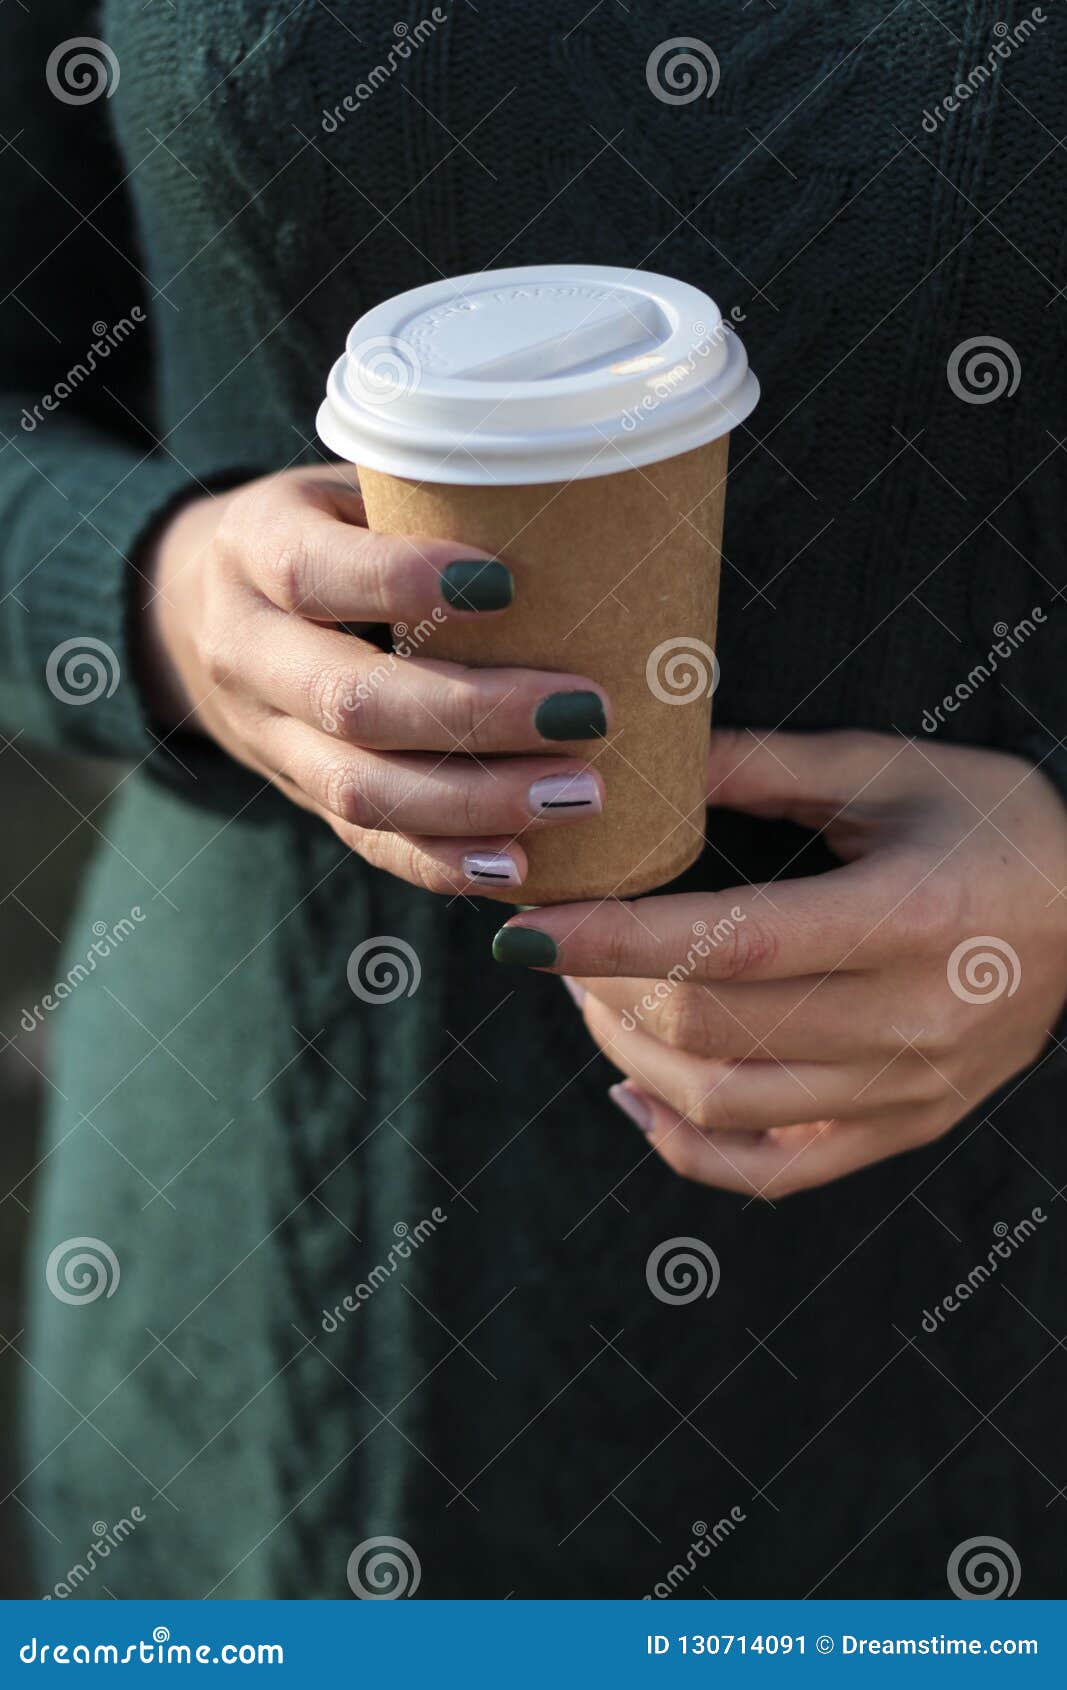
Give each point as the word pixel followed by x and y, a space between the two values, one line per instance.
pixel 494 867
pixel 566 795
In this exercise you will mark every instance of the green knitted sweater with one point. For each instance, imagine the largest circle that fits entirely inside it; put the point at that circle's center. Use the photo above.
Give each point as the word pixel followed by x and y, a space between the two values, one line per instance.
pixel 255 1144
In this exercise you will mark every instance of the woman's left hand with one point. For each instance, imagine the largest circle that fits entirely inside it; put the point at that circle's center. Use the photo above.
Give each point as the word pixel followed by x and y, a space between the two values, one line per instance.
pixel 779 1036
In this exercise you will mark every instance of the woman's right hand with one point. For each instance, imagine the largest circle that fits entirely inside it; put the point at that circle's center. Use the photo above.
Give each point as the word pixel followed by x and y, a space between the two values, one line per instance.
pixel 428 769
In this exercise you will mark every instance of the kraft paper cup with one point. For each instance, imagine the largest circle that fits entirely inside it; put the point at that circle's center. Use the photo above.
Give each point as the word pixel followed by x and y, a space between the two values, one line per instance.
pixel 574 422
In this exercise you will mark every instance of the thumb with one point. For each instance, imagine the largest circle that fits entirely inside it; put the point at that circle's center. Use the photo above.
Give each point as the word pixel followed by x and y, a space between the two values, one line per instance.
pixel 807 778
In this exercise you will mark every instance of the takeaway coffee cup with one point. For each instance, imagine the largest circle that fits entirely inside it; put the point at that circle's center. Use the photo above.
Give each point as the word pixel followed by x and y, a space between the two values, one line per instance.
pixel 572 420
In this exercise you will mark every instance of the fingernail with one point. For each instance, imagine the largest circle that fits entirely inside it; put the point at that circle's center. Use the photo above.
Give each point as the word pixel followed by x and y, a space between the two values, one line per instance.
pixel 524 947
pixel 560 793
pixel 495 866
pixel 577 992
pixel 571 715
pixel 479 583
pixel 632 1104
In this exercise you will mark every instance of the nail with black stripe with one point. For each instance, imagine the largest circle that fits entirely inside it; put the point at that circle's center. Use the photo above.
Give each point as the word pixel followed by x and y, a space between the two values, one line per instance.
pixel 566 795
pixel 492 868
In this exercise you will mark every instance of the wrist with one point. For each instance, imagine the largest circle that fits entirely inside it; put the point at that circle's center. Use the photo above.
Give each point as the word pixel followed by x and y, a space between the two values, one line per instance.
pixel 170 579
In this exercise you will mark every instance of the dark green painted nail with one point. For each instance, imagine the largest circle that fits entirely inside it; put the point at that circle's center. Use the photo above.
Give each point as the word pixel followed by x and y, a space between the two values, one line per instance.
pixel 524 947
pixel 571 715
pixel 479 583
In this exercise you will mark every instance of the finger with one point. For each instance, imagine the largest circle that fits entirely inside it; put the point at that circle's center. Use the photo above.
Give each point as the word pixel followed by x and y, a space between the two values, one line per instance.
pixel 847 919
pixel 830 1017
pixel 338 682
pixel 334 572
pixel 741 1096
pixel 313 556
pixel 810 778
pixel 774 1164
pixel 489 868
pixel 432 794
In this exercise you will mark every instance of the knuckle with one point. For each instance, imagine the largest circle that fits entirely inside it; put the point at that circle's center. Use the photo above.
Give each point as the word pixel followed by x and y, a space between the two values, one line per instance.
pixel 611 946
pixel 430 875
pixel 398 856
pixel 239 518
pixel 464 715
pixel 217 656
pixel 347 796
pixel 930 911
pixel 940 1031
pixel 366 708
pixel 702 1105
pixel 387 583
pixel 686 1020
pixel 470 803
pixel 331 701
pixel 749 946
pixel 284 572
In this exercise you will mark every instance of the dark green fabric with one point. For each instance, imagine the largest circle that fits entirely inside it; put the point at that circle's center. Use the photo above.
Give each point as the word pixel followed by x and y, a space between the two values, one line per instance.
pixel 251 1139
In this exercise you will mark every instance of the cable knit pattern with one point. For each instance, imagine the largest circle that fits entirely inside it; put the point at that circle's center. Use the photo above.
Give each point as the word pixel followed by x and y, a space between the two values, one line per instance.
pixel 511 1400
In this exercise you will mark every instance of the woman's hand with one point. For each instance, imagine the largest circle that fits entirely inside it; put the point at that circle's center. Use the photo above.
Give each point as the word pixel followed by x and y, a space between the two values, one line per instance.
pixel 779 1036
pixel 428 769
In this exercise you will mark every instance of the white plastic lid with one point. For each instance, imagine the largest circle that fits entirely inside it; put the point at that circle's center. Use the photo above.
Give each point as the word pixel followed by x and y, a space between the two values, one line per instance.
pixel 537 374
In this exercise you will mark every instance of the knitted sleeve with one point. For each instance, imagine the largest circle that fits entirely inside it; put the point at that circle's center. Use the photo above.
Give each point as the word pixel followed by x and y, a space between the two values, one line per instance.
pixel 81 480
